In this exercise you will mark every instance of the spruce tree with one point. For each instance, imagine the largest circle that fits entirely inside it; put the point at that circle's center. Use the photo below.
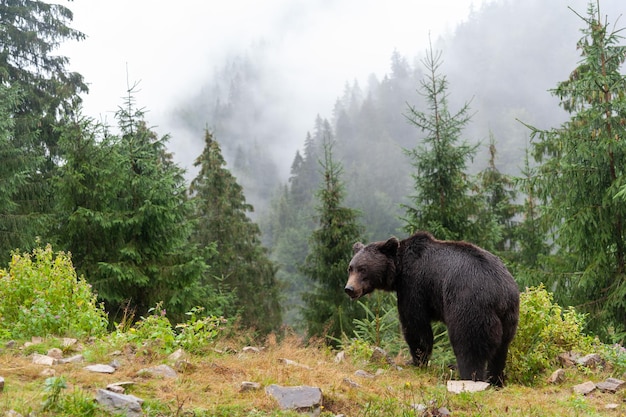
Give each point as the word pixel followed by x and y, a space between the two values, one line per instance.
pixel 328 311
pixel 30 32
pixel 242 263
pixel 18 227
pixel 530 233
pixel 125 216
pixel 441 203
pixel 581 168
pixel 497 214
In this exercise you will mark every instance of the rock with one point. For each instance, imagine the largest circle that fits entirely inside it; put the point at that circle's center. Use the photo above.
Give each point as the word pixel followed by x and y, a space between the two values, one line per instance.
pixel 443 411
pixel 12 413
pixel 584 388
pixel 72 359
pixel 99 368
pixel 380 356
pixel 419 407
pixel 55 353
pixel 1 384
pixel 116 389
pixel 39 359
pixel 159 371
pixel 611 385
pixel 557 377
pixel 458 387
pixel 119 387
pixel 68 342
pixel 568 359
pixel 115 364
pixel 300 398
pixel 351 383
pixel 251 349
pixel 10 344
pixel 224 351
pixel 48 372
pixel 249 386
pixel 340 357
pixel 184 365
pixel 176 356
pixel 128 405
pixel 293 363
pixel 364 374
pixel 590 361
pixel 33 341
pixel 611 406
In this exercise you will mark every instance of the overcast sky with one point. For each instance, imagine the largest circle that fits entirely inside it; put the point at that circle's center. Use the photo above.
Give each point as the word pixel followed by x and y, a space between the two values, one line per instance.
pixel 172 48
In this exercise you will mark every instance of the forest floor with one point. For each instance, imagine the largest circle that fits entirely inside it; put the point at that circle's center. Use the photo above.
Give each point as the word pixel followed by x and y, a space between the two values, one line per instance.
pixel 210 384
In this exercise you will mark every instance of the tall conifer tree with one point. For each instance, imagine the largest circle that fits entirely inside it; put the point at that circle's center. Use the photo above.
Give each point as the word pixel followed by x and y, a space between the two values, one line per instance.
pixel 242 262
pixel 442 203
pixel 582 166
pixel 30 31
pixel 328 311
pixel 18 226
pixel 496 218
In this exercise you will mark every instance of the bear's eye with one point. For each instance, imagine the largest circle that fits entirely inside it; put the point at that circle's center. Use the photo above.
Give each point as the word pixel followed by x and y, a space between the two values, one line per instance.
pixel 350 268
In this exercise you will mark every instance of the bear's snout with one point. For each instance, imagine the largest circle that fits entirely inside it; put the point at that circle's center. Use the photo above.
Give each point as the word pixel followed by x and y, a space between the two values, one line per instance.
pixel 350 291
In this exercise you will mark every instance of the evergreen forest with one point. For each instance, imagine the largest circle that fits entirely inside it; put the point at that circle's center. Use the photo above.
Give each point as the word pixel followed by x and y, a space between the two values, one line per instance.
pixel 538 178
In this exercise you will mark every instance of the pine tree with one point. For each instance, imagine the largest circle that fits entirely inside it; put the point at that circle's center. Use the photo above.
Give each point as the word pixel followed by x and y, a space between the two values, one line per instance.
pixel 18 227
pixel 328 311
pixel 242 262
pixel 442 203
pixel 497 216
pixel 582 165
pixel 530 233
pixel 304 173
pixel 31 31
pixel 125 216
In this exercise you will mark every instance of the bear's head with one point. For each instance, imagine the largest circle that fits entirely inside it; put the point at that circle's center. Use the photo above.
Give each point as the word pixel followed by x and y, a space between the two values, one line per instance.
pixel 372 267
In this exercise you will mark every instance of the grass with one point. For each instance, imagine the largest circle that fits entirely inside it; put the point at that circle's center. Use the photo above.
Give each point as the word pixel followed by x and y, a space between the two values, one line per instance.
pixel 211 387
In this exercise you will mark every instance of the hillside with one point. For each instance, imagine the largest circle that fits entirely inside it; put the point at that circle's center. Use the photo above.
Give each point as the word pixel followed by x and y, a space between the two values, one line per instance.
pixel 210 384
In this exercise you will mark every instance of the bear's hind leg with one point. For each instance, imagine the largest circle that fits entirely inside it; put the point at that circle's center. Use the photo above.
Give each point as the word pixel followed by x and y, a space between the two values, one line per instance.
pixel 495 366
pixel 471 367
pixel 420 341
pixel 474 342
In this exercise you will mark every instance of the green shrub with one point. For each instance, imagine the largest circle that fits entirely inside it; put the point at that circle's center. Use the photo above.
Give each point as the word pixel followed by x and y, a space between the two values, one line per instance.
pixel 380 326
pixel 59 403
pixel 41 295
pixel 545 330
pixel 156 331
pixel 357 350
pixel 197 332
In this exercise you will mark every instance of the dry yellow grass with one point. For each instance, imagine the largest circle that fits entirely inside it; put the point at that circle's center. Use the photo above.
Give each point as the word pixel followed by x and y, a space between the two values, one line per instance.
pixel 212 385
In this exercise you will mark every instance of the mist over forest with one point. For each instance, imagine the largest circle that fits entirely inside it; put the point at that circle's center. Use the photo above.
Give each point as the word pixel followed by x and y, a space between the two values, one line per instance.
pixel 503 60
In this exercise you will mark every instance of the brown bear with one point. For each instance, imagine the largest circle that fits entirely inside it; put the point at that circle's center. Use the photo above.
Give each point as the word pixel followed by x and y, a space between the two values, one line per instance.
pixel 460 284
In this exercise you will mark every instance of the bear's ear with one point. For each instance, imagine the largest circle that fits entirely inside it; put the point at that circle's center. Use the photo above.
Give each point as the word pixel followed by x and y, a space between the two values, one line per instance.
pixel 357 247
pixel 390 247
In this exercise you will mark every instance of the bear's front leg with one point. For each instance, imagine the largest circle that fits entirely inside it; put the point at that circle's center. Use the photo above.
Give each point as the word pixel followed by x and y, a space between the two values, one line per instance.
pixel 419 337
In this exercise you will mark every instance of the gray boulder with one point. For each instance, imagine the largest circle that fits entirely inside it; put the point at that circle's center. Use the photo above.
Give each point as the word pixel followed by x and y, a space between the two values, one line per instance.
pixel 127 405
pixel 299 398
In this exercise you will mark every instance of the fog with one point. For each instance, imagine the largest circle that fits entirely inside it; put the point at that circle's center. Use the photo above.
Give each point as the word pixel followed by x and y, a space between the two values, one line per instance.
pixel 310 50
pixel 501 55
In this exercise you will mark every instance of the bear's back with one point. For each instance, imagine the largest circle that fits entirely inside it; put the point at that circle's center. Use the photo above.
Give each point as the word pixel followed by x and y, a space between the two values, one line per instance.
pixel 449 272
